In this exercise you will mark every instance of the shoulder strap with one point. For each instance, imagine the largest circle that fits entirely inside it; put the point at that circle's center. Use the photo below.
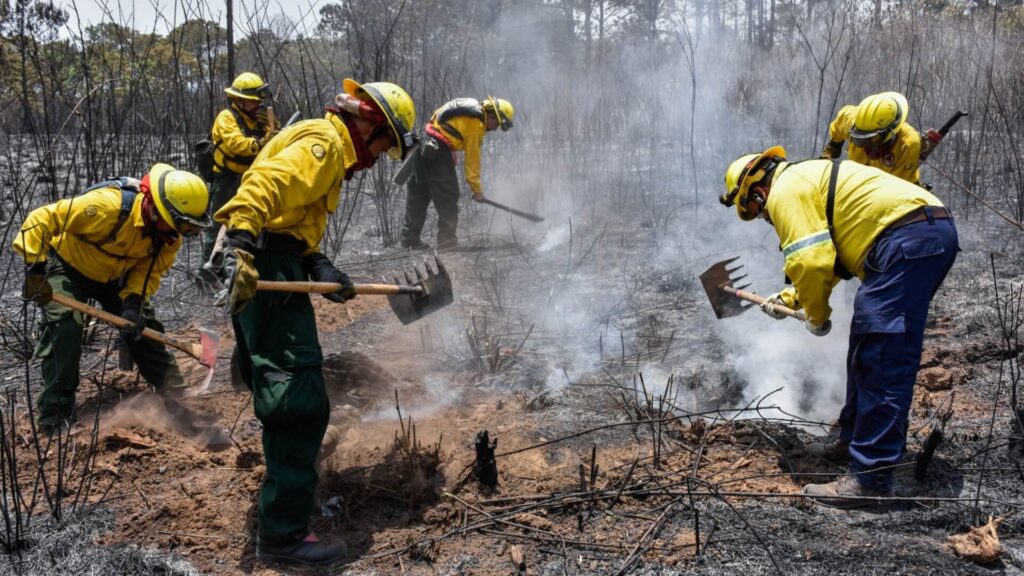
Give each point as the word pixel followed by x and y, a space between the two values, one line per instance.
pixel 127 202
pixel 250 132
pixel 456 108
pixel 830 209
pixel 830 204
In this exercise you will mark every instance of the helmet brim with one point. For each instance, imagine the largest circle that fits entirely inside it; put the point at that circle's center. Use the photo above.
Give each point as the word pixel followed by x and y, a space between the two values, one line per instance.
pixel 241 95
pixel 402 133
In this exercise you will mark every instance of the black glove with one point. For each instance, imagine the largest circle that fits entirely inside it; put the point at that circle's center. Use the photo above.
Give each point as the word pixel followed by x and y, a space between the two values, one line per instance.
pixel 131 310
pixel 833 150
pixel 35 287
pixel 263 117
pixel 320 269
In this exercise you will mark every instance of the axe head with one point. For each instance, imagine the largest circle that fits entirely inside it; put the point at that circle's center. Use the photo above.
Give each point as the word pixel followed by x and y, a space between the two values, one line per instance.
pixel 437 292
pixel 209 345
pixel 714 279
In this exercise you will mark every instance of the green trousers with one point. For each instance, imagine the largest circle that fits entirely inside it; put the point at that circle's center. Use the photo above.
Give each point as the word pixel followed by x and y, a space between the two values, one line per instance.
pixel 222 188
pixel 434 180
pixel 280 361
pixel 60 343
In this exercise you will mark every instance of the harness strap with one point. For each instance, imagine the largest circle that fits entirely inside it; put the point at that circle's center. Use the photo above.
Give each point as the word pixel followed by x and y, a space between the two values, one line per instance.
pixel 460 107
pixel 830 208
pixel 127 202
pixel 248 132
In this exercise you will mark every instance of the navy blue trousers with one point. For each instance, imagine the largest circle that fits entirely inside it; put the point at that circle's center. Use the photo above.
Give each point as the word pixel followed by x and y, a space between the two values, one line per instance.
pixel 904 269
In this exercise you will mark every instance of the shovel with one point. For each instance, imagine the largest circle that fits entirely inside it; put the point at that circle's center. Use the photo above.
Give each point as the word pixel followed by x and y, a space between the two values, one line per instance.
pixel 410 301
pixel 728 300
pixel 205 351
pixel 513 211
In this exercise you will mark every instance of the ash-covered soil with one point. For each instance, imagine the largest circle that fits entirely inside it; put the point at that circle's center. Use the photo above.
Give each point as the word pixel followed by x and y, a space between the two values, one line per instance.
pixel 565 344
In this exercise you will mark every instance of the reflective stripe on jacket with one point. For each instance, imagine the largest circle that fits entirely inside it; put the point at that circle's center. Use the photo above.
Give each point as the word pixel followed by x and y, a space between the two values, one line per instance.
pixel 867 202
pixel 76 228
pixel 465 132
pixel 235 146
pixel 295 182
pixel 902 161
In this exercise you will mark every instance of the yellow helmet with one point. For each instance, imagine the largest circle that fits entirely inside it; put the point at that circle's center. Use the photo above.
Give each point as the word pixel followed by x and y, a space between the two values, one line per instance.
pixel 181 198
pixel 397 106
pixel 248 86
pixel 877 119
pixel 744 171
pixel 502 109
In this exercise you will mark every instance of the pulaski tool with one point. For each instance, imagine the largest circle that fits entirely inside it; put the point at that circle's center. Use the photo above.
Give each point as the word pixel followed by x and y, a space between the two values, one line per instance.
pixel 513 211
pixel 728 300
pixel 205 351
pixel 417 297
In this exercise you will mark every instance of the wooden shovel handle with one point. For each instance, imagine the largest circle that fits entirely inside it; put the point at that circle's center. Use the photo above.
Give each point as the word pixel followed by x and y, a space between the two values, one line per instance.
pixel 751 297
pixel 192 349
pixel 328 287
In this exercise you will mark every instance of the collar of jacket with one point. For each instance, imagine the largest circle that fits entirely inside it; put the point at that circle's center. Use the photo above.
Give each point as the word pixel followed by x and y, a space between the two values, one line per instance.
pixel 250 121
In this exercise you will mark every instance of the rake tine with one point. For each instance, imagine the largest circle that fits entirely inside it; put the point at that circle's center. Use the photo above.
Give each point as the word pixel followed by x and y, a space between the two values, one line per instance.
pixel 737 279
pixel 744 287
pixel 729 271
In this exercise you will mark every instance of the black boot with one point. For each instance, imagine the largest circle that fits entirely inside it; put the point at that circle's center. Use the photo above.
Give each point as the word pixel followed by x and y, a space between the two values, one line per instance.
pixel 302 552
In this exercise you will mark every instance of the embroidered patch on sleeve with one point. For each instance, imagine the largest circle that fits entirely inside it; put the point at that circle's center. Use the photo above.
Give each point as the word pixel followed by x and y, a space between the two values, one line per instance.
pixel 90 210
pixel 318 151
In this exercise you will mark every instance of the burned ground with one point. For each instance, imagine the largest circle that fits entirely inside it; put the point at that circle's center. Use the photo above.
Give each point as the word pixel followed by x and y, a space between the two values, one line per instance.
pixel 605 349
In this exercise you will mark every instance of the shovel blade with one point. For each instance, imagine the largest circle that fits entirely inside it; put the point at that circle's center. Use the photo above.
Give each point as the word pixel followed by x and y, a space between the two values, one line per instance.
pixel 713 280
pixel 437 293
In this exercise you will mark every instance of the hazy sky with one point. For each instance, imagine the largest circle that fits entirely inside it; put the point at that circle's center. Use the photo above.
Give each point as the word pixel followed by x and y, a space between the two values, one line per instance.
pixel 165 14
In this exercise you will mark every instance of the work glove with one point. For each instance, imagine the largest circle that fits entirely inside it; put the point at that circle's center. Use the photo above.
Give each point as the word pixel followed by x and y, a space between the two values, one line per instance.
pixel 785 298
pixel 35 288
pixel 818 330
pixel 320 269
pixel 478 196
pixel 132 183
pixel 131 310
pixel 263 117
pixel 239 271
pixel 832 150
pixel 267 138
pixel 929 143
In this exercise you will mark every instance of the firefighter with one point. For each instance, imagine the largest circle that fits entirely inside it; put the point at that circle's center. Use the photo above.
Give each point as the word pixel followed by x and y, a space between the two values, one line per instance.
pixel 458 125
pixel 836 220
pixel 239 132
pixel 113 243
pixel 880 136
pixel 274 225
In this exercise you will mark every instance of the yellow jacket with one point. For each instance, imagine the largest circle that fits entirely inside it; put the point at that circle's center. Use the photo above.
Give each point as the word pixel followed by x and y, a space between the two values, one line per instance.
pixel 472 132
pixel 235 148
pixel 903 161
pixel 294 183
pixel 867 202
pixel 72 227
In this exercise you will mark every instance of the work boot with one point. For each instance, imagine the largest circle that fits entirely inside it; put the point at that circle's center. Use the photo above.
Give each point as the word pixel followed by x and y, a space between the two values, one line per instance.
pixel 416 244
pixel 309 551
pixel 448 246
pixel 53 427
pixel 830 448
pixel 846 493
